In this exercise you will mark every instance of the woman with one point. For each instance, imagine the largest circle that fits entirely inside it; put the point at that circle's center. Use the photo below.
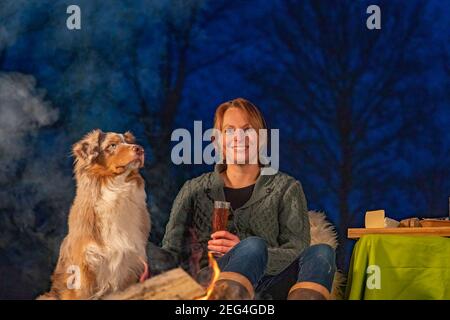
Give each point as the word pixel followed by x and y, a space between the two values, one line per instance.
pixel 266 247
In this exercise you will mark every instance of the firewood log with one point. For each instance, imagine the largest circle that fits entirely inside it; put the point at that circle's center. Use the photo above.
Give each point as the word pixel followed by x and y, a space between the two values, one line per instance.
pixel 175 284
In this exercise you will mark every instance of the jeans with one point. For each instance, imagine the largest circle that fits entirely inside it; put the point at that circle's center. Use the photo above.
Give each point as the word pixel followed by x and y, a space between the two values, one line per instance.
pixel 249 258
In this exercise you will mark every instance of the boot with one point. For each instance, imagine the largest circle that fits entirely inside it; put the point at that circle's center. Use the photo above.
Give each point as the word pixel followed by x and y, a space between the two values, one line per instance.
pixel 308 291
pixel 232 286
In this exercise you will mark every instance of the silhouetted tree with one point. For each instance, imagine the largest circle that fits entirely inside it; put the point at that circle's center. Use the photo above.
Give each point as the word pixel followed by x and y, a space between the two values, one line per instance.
pixel 353 97
pixel 156 56
pixel 430 185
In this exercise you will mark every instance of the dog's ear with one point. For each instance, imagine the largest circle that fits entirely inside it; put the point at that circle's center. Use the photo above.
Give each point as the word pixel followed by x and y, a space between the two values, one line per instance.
pixel 129 137
pixel 88 148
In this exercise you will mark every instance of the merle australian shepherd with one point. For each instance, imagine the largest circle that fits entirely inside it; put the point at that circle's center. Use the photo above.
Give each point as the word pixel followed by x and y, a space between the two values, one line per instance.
pixel 109 224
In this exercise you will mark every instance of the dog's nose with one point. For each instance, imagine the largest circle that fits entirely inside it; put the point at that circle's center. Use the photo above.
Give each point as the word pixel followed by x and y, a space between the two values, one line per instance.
pixel 138 149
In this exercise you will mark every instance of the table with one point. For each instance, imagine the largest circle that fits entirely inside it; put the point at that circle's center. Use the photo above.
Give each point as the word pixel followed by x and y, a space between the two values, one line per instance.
pixel 355 233
pixel 391 267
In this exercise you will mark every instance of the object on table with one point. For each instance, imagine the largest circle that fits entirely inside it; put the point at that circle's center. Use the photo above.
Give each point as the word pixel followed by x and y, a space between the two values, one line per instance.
pixel 425 223
pixel 436 222
pixel 378 219
pixel 410 223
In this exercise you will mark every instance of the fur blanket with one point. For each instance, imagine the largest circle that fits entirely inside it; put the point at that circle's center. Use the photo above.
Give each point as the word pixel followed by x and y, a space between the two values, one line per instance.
pixel 322 231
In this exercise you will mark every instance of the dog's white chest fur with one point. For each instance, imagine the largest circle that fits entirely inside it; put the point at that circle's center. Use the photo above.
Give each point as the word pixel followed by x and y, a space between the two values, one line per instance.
pixel 124 226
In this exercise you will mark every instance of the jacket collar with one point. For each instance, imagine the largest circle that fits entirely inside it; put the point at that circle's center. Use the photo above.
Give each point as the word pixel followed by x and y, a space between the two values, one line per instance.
pixel 263 186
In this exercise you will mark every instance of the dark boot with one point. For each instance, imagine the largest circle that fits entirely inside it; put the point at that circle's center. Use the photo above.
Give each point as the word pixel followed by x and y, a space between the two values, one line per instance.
pixel 232 286
pixel 308 291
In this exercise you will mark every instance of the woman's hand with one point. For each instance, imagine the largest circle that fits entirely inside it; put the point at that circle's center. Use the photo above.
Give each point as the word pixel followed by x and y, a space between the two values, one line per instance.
pixel 222 241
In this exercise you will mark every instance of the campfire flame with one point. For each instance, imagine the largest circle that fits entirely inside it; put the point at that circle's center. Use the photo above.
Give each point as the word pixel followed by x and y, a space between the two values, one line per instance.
pixel 216 272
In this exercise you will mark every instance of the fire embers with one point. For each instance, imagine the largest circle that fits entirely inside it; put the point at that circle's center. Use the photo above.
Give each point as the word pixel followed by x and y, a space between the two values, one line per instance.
pixel 214 267
pixel 207 277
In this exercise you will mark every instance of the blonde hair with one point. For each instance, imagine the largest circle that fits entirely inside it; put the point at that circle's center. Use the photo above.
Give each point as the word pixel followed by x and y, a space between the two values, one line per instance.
pixel 255 116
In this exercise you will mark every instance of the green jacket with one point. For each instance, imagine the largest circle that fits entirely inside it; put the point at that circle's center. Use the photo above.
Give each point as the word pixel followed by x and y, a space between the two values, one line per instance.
pixel 276 212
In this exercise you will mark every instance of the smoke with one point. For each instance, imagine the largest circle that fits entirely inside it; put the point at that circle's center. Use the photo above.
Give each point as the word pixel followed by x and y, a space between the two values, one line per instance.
pixel 33 190
pixel 23 110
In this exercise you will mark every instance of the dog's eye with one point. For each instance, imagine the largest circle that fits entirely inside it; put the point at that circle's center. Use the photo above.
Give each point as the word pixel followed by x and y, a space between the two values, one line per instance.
pixel 112 146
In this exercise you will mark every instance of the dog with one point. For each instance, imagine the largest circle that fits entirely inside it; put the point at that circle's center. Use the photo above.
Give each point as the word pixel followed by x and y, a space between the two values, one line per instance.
pixel 109 224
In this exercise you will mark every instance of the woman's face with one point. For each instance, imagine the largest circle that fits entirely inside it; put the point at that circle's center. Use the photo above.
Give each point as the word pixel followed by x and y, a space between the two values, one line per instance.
pixel 239 138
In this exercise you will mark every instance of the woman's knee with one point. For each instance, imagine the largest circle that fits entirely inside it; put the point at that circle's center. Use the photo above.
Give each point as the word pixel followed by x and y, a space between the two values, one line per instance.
pixel 322 250
pixel 317 264
pixel 321 254
pixel 254 246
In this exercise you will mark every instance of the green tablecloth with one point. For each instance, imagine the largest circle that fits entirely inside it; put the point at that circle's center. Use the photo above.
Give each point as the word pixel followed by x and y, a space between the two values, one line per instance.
pixel 409 267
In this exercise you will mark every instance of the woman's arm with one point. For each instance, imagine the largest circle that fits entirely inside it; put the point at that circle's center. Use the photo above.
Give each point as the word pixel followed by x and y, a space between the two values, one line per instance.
pixel 175 237
pixel 294 234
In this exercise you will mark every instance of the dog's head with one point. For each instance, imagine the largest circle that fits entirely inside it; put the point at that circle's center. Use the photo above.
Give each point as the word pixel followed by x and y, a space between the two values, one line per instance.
pixel 107 154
